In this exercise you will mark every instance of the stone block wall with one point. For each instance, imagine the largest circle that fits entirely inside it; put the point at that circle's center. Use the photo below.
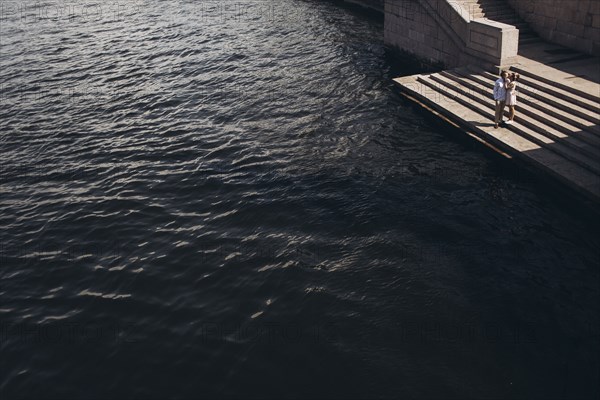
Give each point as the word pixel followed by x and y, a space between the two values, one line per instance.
pixel 409 27
pixel 572 23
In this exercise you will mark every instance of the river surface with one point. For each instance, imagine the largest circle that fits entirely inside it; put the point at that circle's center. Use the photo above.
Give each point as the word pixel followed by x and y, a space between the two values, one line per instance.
pixel 204 198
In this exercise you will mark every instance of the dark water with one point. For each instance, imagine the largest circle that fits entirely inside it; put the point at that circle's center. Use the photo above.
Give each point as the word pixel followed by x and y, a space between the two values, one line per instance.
pixel 229 199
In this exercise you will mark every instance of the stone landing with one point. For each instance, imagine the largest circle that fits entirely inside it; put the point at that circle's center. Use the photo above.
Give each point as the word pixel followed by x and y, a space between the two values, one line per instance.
pixel 557 128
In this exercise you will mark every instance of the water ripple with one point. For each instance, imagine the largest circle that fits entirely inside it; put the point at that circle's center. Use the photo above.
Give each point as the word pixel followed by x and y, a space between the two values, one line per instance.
pixel 231 200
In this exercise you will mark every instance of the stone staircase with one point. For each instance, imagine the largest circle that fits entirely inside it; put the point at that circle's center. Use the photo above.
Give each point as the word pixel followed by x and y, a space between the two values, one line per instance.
pixel 557 127
pixel 501 11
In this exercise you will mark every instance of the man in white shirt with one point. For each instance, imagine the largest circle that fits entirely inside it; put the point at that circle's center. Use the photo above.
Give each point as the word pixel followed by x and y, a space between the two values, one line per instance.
pixel 500 97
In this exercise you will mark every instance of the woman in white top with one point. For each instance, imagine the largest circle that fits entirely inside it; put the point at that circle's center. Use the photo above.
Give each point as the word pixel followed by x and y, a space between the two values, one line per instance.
pixel 511 96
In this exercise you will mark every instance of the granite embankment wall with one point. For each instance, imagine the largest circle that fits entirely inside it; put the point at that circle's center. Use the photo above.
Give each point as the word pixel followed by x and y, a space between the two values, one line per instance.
pixel 410 28
pixel 572 23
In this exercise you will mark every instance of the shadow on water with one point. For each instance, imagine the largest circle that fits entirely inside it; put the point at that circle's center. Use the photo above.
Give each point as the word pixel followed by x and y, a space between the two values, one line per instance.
pixel 290 228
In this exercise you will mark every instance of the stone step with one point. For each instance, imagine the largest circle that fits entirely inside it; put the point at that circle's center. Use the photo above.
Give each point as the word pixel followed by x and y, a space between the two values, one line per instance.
pixel 567 101
pixel 492 2
pixel 503 19
pixel 516 23
pixel 564 103
pixel 500 12
pixel 504 11
pixel 493 5
pixel 502 16
pixel 496 13
pixel 487 111
pixel 493 13
pixel 524 126
pixel 595 100
pixel 509 21
pixel 536 118
pixel 476 125
pixel 488 7
pixel 521 26
pixel 538 103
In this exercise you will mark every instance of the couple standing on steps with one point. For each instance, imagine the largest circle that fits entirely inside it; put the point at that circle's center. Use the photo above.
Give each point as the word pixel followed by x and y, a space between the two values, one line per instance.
pixel 505 94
